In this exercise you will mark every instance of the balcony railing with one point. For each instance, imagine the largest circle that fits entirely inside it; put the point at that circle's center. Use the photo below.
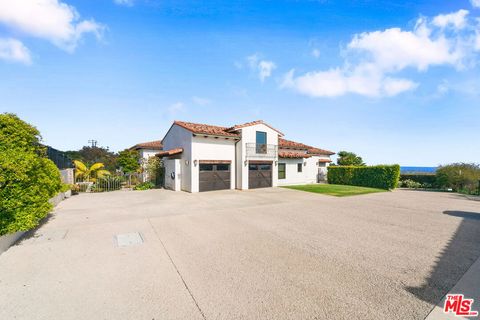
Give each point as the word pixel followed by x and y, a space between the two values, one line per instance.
pixel 261 150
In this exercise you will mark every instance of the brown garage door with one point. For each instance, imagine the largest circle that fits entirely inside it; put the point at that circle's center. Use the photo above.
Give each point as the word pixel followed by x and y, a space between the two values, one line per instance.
pixel 259 175
pixel 214 176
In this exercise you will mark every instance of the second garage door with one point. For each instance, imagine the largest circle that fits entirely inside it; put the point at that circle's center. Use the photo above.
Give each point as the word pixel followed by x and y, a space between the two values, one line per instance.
pixel 214 176
pixel 259 175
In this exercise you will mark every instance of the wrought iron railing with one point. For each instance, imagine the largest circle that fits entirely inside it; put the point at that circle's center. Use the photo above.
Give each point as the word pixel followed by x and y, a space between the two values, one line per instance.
pixel 261 150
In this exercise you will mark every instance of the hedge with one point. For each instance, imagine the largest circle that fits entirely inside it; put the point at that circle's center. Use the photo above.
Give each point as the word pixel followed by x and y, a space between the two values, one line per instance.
pixel 420 178
pixel 27 178
pixel 382 176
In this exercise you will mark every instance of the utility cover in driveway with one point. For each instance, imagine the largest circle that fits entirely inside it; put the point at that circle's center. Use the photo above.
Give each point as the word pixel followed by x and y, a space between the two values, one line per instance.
pixel 128 239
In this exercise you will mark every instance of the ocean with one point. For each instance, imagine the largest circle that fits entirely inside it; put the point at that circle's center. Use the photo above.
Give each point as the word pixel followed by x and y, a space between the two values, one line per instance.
pixel 404 170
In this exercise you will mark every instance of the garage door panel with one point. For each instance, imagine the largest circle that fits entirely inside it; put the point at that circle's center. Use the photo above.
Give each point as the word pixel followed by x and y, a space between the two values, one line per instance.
pixel 214 176
pixel 259 175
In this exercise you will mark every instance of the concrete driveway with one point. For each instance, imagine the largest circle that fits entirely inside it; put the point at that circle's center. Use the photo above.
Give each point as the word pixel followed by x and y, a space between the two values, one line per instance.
pixel 259 254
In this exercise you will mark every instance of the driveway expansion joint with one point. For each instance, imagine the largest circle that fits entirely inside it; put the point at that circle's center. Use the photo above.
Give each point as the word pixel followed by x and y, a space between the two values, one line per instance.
pixel 178 271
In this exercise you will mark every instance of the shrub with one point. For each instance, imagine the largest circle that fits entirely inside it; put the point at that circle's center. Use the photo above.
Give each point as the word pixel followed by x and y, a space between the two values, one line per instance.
pixel 461 177
pixel 382 176
pixel 155 171
pixel 424 179
pixel 27 178
pixel 65 187
pixel 410 184
pixel 144 186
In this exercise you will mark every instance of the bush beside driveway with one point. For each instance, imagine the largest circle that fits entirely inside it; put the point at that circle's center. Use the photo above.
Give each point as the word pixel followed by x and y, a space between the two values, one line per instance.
pixel 258 254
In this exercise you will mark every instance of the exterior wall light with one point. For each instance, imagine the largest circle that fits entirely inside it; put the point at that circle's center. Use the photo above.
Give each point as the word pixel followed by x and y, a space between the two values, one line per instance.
pixel 187 162
pixel 305 164
pixel 245 163
pixel 195 162
pixel 276 163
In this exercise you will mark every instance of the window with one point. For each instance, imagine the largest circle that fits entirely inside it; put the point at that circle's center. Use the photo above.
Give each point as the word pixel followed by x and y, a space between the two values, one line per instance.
pixel 206 167
pixel 261 141
pixel 281 171
pixel 223 167
pixel 299 167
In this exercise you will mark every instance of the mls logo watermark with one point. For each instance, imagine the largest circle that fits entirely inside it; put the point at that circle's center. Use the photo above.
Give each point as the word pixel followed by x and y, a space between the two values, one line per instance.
pixel 459 305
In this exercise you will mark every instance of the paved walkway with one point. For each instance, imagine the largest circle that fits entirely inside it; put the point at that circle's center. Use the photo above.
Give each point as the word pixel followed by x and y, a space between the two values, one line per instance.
pixel 260 254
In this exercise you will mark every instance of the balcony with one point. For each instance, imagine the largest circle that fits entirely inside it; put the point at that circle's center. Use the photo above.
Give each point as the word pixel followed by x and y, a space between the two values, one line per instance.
pixel 268 151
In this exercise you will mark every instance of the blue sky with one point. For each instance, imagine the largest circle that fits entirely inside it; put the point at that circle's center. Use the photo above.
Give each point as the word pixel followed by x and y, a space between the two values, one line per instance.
pixel 394 81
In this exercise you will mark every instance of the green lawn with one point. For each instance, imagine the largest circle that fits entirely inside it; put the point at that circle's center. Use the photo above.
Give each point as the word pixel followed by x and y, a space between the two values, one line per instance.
pixel 335 189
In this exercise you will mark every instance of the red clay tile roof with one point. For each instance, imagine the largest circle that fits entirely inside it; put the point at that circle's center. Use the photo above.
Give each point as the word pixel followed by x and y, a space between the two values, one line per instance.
pixel 170 152
pixel 288 144
pixel 318 151
pixel 248 124
pixel 153 145
pixel 324 160
pixel 206 129
pixel 293 154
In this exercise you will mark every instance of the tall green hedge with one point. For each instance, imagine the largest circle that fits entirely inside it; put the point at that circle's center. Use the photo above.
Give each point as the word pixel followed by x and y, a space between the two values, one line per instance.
pixel 383 177
pixel 27 178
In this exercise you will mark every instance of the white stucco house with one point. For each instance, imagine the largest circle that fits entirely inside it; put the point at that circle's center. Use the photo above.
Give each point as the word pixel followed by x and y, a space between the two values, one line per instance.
pixel 146 150
pixel 200 157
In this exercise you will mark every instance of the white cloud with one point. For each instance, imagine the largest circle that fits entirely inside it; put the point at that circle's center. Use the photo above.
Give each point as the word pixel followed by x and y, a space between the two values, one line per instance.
pixel 457 20
pixel 176 108
pixel 201 101
pixel 394 86
pixel 475 3
pixel 263 68
pixel 13 50
pixel 316 53
pixel 52 20
pixel 373 58
pixel 395 49
pixel 128 3
pixel 338 82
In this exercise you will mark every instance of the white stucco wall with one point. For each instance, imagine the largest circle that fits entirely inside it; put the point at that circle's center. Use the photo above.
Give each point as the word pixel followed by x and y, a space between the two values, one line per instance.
pixel 309 172
pixel 249 136
pixel 178 137
pixel 323 167
pixel 210 148
pixel 147 153
pixel 173 173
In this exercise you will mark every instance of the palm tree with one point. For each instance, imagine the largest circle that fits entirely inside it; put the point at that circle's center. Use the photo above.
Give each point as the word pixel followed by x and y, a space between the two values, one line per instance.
pixel 89 174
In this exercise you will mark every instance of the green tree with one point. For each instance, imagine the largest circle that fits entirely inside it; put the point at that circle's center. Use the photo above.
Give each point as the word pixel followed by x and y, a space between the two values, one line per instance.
pixel 27 178
pixel 461 177
pixel 91 155
pixel 91 173
pixel 128 161
pixel 346 158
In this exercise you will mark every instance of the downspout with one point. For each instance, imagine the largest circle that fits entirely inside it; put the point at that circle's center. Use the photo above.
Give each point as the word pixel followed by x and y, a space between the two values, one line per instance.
pixel 236 180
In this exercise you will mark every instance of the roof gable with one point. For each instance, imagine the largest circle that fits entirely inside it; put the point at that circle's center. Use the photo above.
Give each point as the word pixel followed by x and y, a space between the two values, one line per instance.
pixel 200 128
pixel 253 123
